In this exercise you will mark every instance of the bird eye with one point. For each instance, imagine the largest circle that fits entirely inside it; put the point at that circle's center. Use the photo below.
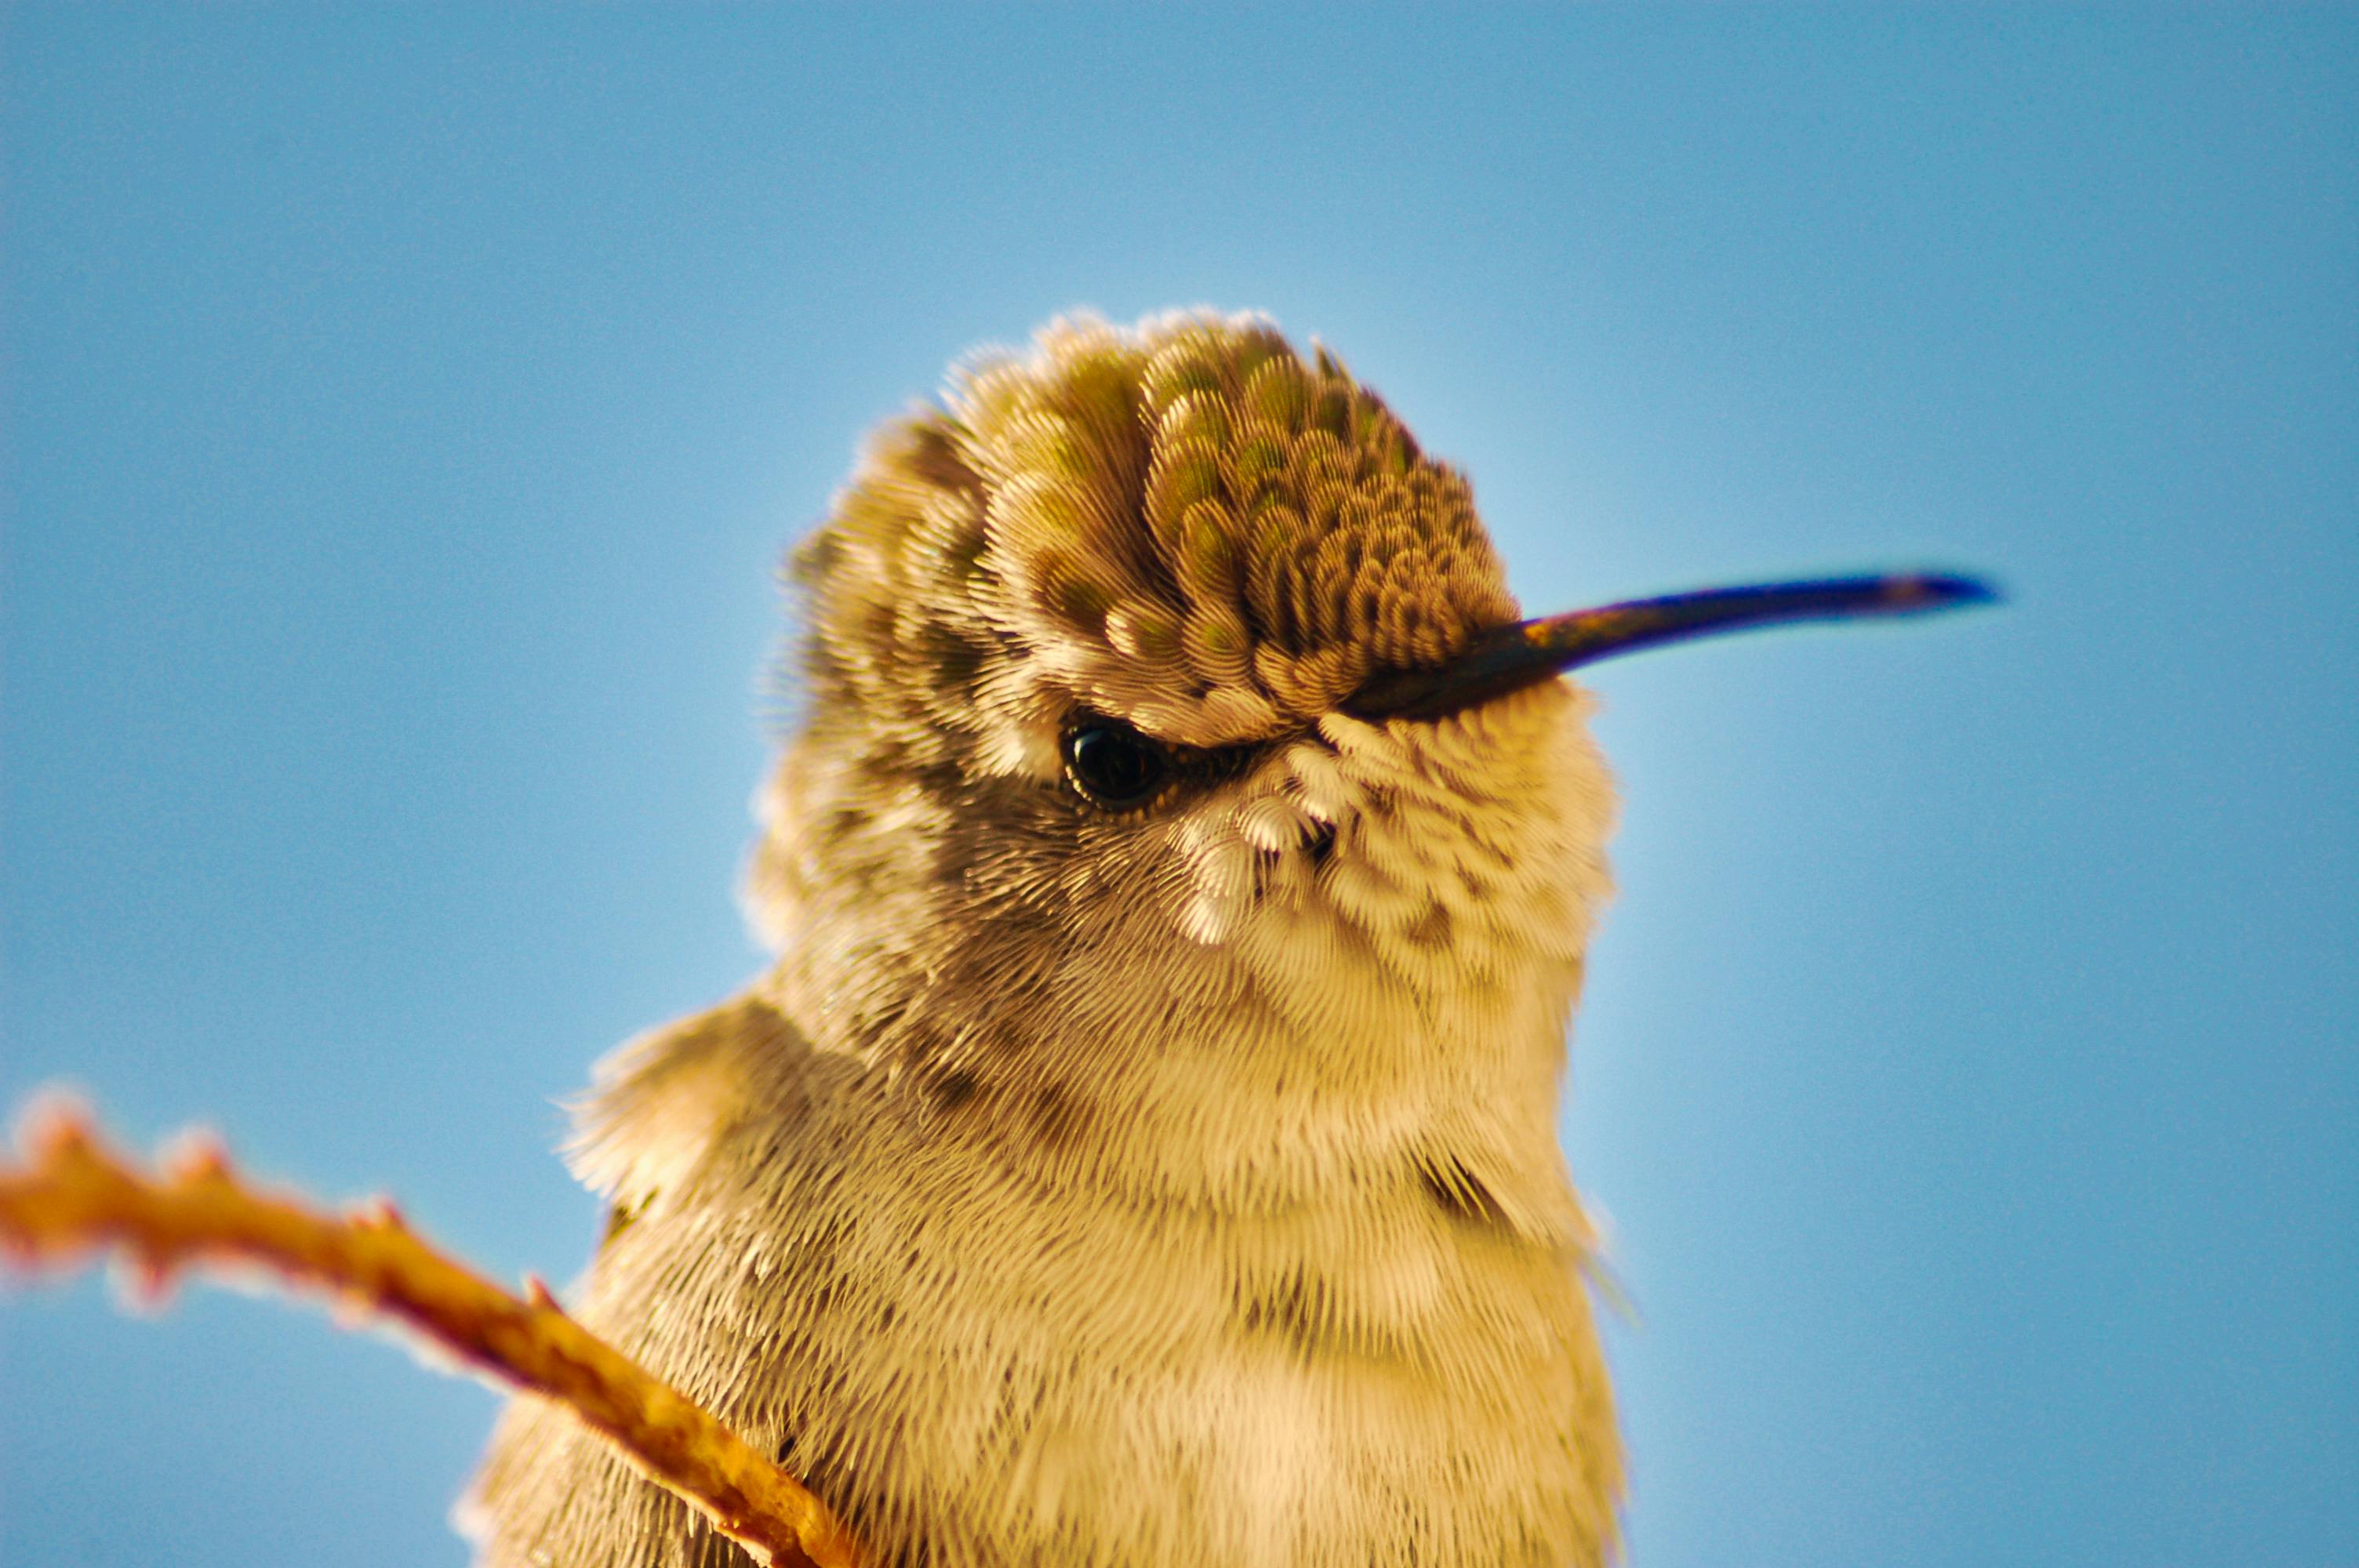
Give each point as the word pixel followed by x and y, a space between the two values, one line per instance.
pixel 1113 764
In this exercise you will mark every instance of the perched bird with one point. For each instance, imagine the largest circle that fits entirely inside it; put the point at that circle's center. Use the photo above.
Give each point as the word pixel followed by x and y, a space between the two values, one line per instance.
pixel 1142 1152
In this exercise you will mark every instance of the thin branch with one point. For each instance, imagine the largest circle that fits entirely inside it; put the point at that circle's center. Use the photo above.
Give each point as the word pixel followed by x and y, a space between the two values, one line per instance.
pixel 72 1198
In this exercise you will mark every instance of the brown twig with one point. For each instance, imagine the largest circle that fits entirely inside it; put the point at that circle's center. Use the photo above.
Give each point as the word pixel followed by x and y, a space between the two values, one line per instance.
pixel 72 1197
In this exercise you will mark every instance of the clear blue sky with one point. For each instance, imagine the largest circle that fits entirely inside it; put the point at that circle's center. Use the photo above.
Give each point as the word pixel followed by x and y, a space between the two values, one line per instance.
pixel 406 410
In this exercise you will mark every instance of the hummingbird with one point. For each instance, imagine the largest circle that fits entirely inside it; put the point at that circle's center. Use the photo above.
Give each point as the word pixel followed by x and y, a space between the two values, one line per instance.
pixel 1141 1152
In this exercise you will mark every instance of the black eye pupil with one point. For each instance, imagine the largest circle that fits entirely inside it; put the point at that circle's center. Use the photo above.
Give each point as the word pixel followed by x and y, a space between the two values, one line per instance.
pixel 1113 764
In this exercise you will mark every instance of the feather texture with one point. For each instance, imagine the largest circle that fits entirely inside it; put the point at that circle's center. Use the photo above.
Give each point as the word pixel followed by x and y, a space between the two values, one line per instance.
pixel 1128 1189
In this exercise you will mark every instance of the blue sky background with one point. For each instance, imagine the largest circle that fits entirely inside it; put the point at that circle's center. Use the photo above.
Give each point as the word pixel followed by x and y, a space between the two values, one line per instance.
pixel 407 408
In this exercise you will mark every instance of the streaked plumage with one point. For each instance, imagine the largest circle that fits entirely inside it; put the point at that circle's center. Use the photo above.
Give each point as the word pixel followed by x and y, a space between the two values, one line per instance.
pixel 1148 1188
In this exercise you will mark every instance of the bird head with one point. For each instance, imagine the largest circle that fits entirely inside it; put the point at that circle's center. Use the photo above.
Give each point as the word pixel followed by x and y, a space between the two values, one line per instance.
pixel 1172 747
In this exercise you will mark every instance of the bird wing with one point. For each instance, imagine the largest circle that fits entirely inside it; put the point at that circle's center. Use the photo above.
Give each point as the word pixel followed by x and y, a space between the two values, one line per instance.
pixel 657 1111
pixel 658 1107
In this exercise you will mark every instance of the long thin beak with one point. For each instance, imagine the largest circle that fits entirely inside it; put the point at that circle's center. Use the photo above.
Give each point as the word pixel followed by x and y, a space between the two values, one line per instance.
pixel 1532 650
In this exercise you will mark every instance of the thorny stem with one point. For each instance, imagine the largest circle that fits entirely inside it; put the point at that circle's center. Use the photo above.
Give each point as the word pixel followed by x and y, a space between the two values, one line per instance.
pixel 72 1197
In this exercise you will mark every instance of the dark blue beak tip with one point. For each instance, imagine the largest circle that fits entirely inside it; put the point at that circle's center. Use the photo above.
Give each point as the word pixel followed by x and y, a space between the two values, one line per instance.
pixel 1947 590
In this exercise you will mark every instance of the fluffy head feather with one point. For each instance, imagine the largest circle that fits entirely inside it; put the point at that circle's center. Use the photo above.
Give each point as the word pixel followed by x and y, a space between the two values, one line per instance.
pixel 1185 524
